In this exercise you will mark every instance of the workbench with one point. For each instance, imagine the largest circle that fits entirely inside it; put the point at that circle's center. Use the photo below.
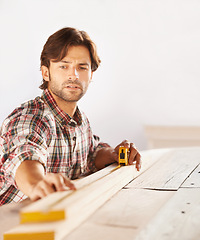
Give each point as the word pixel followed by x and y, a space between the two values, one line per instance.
pixel 162 203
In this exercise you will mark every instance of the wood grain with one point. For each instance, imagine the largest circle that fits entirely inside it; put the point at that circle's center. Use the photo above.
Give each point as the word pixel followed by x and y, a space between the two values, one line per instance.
pixel 170 171
pixel 51 207
pixel 193 181
pixel 178 219
pixel 130 210
pixel 78 206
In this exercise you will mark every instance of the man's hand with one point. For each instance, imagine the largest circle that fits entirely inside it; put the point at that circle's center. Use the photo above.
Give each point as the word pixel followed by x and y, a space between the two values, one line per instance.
pixel 32 180
pixel 134 156
pixel 109 155
pixel 50 183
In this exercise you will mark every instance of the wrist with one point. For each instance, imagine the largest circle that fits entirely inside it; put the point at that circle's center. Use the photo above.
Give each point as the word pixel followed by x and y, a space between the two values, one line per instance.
pixel 105 157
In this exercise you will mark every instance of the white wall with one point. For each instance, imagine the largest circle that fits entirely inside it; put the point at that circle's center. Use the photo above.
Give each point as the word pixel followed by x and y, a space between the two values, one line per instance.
pixel 150 52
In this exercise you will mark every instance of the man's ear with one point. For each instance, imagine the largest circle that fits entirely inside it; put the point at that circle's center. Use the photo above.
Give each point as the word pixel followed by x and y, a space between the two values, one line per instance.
pixel 45 73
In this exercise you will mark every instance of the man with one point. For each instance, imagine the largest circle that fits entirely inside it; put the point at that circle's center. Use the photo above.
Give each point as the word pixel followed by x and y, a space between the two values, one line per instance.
pixel 48 140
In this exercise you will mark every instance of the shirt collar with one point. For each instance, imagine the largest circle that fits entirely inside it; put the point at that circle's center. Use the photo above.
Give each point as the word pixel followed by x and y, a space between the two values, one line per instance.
pixel 59 114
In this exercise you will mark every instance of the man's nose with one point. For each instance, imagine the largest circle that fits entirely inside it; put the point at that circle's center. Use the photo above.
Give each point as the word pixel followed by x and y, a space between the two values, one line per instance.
pixel 73 74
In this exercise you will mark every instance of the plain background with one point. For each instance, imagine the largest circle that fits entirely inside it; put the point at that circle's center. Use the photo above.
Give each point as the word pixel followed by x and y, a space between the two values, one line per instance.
pixel 150 52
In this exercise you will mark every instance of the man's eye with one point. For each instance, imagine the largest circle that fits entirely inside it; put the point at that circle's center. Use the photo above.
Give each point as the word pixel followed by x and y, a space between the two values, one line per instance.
pixel 83 68
pixel 63 67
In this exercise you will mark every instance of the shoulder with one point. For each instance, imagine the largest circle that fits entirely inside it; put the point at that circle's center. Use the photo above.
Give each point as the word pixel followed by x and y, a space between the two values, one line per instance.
pixel 32 112
pixel 31 107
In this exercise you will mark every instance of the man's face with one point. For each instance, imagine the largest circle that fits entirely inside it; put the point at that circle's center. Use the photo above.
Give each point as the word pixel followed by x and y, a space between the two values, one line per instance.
pixel 69 79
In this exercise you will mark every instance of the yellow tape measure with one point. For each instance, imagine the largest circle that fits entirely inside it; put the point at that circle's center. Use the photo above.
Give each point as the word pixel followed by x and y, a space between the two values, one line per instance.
pixel 123 156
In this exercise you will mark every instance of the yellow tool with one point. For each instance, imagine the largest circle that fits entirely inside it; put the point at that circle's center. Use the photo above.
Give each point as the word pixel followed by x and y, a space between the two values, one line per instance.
pixel 123 156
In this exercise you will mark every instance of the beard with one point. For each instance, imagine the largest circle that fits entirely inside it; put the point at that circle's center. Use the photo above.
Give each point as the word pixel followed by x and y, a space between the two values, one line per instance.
pixel 66 93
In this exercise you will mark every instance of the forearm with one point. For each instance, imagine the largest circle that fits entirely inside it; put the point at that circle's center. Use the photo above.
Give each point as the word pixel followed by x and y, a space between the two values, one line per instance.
pixel 104 157
pixel 31 180
pixel 28 174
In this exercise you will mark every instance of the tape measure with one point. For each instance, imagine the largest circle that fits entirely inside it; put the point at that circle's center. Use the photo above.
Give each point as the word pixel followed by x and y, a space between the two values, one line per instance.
pixel 123 156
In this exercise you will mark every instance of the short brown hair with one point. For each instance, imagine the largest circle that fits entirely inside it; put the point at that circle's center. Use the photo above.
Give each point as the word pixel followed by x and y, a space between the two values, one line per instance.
pixel 57 45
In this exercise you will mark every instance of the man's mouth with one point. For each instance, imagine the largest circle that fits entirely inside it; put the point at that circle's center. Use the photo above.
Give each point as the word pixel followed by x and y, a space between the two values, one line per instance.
pixel 73 86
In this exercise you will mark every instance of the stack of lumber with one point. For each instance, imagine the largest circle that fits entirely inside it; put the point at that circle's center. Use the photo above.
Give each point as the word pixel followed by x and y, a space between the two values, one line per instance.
pixel 56 215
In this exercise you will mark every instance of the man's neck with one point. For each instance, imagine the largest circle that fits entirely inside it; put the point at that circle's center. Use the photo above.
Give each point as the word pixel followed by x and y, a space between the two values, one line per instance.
pixel 67 107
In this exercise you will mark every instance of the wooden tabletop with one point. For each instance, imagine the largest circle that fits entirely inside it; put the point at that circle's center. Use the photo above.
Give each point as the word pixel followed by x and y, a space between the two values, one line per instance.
pixel 161 203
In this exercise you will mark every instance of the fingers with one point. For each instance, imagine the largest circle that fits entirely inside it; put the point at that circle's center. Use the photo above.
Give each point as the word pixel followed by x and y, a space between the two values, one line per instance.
pixel 138 161
pixel 59 182
pixel 69 184
pixel 51 182
pixel 134 156
pixel 40 190
pixel 125 143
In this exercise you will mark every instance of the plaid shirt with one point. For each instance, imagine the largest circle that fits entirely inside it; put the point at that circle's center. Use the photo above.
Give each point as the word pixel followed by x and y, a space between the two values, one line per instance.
pixel 40 130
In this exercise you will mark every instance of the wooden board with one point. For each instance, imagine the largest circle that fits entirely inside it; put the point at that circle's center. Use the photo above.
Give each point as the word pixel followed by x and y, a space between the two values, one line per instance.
pixel 133 210
pixel 193 181
pixel 78 207
pixel 63 202
pixel 92 231
pixel 123 216
pixel 170 171
pixel 53 206
pixel 178 219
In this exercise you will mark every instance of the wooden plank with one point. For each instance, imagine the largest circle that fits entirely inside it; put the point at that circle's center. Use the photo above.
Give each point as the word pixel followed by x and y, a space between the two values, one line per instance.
pixel 126 213
pixel 45 209
pixel 170 171
pixel 193 180
pixel 133 210
pixel 178 219
pixel 60 201
pixel 78 207
pixel 92 231
pixel 10 212
pixel 42 210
